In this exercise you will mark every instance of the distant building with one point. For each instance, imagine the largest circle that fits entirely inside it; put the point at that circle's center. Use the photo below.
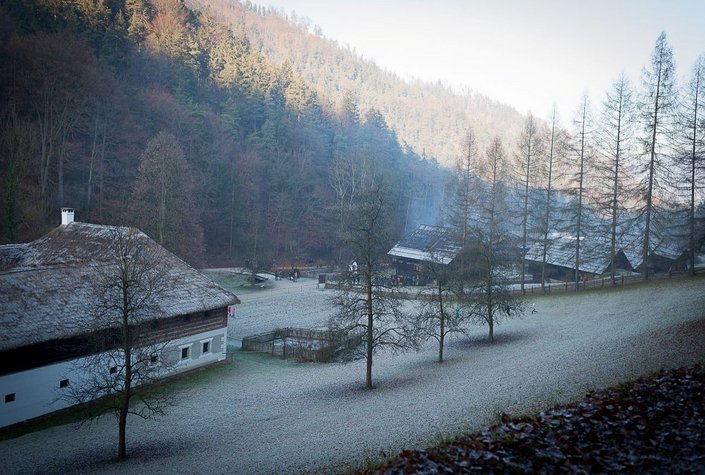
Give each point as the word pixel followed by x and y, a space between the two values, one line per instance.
pixel 560 258
pixel 45 298
pixel 667 252
pixel 426 244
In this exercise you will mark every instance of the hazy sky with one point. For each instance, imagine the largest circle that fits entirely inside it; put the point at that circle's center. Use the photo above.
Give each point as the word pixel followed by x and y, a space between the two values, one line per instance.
pixel 526 53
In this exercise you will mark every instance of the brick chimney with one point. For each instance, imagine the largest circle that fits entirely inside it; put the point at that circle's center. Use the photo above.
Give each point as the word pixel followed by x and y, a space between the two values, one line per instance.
pixel 66 216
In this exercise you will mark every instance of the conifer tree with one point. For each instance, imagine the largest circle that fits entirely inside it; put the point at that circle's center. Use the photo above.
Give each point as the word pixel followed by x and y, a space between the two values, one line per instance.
pixel 657 108
pixel 530 147
pixel 692 127
pixel 615 138
pixel 583 161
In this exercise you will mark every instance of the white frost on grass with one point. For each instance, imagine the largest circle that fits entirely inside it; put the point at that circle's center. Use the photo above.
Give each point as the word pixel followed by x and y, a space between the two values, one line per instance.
pixel 282 304
pixel 264 415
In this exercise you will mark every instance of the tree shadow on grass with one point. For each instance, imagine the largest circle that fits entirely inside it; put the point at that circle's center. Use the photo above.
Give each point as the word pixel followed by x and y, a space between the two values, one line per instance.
pixel 101 457
pixel 501 338
pixel 355 389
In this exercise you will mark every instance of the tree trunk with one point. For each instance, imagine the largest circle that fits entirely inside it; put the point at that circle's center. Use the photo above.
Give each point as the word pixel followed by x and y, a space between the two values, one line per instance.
pixel 127 361
pixel 370 323
pixel 580 196
pixel 547 219
pixel 526 208
pixel 441 340
pixel 122 424
pixel 649 191
pixel 691 237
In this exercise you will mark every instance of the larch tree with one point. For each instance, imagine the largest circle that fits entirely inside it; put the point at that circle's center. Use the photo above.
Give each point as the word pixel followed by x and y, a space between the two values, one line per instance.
pixel 530 147
pixel 615 139
pixel 583 154
pixel 556 143
pixel 460 190
pixel 657 108
pixel 692 127
pixel 489 256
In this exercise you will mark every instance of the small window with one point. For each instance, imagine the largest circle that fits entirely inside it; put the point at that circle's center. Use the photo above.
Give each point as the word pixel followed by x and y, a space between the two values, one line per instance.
pixel 9 397
pixel 64 383
pixel 184 352
pixel 113 369
pixel 153 359
pixel 206 347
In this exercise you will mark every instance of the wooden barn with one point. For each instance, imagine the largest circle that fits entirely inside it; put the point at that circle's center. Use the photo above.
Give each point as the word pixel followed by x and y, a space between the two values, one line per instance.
pixel 47 288
pixel 425 244
pixel 560 258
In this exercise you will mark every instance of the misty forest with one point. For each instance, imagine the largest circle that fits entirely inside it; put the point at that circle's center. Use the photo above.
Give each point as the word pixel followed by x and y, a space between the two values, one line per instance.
pixel 186 120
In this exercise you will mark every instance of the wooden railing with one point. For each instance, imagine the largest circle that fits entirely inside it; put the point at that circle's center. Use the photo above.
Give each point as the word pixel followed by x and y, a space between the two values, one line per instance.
pixel 301 344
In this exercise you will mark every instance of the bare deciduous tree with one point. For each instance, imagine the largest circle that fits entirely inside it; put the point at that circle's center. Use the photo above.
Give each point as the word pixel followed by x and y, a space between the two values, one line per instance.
pixel 165 203
pixel 124 356
pixel 441 315
pixel 365 305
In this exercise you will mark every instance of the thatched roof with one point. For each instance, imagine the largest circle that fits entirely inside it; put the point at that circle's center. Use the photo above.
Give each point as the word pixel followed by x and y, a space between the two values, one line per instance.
pixel 47 286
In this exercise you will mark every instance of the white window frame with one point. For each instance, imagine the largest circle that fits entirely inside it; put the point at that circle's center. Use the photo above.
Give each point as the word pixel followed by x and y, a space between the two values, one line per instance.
pixel 210 346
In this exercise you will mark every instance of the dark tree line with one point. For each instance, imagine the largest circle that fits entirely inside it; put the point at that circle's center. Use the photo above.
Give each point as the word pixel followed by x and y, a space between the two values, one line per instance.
pixel 152 114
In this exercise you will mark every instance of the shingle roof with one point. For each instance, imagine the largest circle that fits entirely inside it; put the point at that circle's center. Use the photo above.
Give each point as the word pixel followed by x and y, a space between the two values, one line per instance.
pixel 46 286
pixel 427 244
pixel 560 251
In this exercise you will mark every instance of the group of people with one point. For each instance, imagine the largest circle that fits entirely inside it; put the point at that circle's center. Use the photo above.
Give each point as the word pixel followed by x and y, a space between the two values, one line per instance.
pixel 293 274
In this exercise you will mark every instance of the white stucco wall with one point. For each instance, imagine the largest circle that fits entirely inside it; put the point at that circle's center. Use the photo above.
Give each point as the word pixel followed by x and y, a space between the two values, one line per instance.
pixel 37 392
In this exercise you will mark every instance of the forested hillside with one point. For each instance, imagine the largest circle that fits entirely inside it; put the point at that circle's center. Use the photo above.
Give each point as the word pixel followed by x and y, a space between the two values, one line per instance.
pixel 429 117
pixel 153 114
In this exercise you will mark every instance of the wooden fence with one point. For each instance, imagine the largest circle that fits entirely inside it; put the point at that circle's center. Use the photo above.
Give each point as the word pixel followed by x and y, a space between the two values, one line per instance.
pixel 421 293
pixel 301 344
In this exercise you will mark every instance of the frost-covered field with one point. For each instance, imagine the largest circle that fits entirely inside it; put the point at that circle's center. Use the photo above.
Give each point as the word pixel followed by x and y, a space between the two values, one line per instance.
pixel 261 415
pixel 283 304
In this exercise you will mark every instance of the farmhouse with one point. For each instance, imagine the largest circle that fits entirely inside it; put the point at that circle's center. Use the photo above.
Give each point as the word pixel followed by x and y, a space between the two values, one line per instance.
pixel 426 244
pixel 46 315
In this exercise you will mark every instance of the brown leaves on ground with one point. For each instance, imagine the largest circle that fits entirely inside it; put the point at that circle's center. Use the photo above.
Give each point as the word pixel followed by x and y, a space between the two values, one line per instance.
pixel 655 425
